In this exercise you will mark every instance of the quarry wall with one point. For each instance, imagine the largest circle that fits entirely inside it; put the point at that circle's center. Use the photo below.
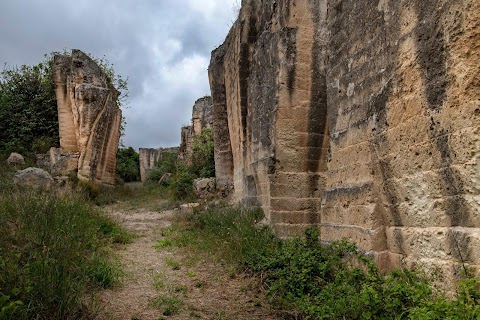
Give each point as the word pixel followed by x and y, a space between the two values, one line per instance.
pixel 202 118
pixel 149 157
pixel 358 117
pixel 88 114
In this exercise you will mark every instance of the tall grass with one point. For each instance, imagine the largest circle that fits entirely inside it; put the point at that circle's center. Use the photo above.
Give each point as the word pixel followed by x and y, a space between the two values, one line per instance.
pixel 314 281
pixel 52 253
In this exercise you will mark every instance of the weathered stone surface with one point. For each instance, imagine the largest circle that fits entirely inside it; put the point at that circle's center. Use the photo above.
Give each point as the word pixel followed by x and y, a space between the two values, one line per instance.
pixel 88 114
pixel 33 178
pixel 149 159
pixel 204 187
pixel 202 118
pixel 15 159
pixel 189 208
pixel 358 116
pixel 185 149
pixel 59 161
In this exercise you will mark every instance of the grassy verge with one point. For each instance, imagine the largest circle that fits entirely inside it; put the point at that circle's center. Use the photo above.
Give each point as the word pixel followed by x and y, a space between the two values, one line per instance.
pixel 313 281
pixel 151 196
pixel 53 253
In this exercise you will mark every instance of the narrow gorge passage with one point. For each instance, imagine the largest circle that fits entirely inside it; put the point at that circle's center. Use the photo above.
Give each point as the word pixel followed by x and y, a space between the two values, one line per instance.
pixel 172 283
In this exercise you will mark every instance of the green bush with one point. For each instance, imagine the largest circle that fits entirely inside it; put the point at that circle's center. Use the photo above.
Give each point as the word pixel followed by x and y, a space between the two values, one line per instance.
pixel 52 255
pixel 128 165
pixel 315 281
pixel 203 162
pixel 28 109
pixel 181 186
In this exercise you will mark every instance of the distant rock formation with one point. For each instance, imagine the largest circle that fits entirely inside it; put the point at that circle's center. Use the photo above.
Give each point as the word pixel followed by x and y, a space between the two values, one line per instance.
pixel 360 117
pixel 202 118
pixel 149 159
pixel 185 149
pixel 88 114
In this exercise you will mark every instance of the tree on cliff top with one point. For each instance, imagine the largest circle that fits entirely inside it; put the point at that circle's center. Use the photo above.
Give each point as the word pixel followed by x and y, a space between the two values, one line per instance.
pixel 28 106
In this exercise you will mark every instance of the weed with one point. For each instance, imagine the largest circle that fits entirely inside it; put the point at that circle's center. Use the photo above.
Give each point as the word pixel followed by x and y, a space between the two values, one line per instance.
pixel 169 304
pixel 163 243
pixel 199 283
pixel 180 289
pixel 191 274
pixel 172 263
pixel 159 281
pixel 114 232
pixel 103 272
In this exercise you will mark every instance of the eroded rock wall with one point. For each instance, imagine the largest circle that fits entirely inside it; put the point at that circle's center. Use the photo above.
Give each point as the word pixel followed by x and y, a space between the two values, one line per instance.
pixel 185 148
pixel 360 117
pixel 89 117
pixel 149 157
pixel 202 118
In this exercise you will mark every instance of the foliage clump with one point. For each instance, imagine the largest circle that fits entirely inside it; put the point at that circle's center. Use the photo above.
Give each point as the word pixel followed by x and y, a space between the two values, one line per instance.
pixel 28 109
pixel 202 159
pixel 128 164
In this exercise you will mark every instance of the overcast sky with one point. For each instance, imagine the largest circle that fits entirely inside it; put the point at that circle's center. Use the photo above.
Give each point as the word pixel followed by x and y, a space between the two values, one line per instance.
pixel 162 46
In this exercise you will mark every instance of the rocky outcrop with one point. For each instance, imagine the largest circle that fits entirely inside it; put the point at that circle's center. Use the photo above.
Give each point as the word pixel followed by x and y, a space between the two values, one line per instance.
pixel 149 159
pixel 88 114
pixel 59 161
pixel 185 149
pixel 202 118
pixel 360 117
pixel 33 178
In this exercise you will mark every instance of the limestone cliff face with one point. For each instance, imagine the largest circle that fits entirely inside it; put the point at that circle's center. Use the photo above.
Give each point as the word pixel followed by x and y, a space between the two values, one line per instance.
pixel 202 118
pixel 359 116
pixel 89 117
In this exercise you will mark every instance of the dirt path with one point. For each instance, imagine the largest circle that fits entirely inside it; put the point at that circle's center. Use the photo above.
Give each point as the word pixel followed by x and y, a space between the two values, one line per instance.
pixel 166 283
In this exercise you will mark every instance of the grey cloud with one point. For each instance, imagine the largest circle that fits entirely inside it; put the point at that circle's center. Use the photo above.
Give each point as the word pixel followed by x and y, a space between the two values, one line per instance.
pixel 162 47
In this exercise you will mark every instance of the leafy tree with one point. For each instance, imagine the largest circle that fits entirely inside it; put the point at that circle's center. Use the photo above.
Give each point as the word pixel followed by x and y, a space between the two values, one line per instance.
pixel 28 109
pixel 203 162
pixel 128 165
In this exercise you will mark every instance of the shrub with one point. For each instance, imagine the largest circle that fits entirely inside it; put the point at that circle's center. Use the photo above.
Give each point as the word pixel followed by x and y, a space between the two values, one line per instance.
pixel 128 165
pixel 181 186
pixel 51 255
pixel 203 162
